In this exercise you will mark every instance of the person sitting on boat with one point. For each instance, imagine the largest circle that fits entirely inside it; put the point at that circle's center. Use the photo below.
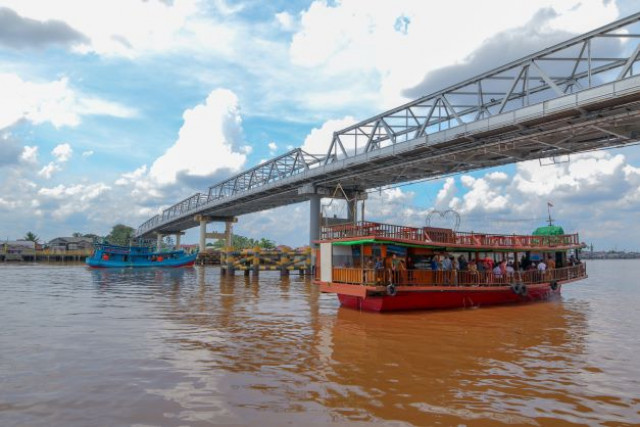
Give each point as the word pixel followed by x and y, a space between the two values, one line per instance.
pixel 379 269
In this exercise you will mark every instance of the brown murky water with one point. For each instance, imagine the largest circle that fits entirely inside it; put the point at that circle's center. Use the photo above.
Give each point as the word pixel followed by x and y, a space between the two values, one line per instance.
pixel 191 348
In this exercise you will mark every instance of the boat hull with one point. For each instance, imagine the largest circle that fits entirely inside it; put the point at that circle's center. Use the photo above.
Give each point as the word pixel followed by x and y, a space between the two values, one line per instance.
pixel 447 298
pixel 186 261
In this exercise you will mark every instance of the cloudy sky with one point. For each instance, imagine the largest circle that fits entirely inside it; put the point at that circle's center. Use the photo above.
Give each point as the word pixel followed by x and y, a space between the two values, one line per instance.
pixel 114 110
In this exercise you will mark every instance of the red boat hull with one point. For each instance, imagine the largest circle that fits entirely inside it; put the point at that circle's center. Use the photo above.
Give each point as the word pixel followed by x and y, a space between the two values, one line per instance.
pixel 447 298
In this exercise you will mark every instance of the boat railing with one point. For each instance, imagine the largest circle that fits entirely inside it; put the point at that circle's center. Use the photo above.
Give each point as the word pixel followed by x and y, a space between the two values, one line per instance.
pixel 425 235
pixel 371 277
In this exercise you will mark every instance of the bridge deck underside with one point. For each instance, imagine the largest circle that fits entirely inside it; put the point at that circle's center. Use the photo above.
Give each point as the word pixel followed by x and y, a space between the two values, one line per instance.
pixel 603 124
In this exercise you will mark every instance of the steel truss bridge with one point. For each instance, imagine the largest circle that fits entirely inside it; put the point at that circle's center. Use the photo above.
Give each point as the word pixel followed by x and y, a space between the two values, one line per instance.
pixel 579 95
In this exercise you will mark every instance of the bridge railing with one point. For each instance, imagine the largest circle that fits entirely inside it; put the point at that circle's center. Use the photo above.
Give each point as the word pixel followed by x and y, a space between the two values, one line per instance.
pixel 184 206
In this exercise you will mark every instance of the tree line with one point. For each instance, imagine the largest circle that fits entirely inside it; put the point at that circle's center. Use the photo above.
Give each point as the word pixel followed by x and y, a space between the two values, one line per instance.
pixel 122 234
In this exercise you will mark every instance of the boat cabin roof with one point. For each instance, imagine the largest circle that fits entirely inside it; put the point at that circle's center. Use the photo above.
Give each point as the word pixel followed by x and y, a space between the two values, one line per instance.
pixel 366 233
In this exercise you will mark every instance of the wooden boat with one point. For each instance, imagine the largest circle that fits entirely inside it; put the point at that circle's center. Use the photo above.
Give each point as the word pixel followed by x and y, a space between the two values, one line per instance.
pixel 106 255
pixel 382 267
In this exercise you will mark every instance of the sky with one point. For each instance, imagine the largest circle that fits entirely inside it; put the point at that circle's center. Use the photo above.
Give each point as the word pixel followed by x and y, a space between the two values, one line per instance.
pixel 112 111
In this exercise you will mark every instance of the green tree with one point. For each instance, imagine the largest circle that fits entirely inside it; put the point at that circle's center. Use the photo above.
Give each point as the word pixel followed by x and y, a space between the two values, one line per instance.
pixel 76 234
pixel 238 242
pixel 31 237
pixel 266 243
pixel 120 235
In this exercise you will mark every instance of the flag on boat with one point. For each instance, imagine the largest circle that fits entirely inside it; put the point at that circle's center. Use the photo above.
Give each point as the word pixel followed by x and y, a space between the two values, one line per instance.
pixel 549 204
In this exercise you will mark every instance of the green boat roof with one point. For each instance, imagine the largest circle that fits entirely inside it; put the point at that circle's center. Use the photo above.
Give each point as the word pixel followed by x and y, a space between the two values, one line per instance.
pixel 549 230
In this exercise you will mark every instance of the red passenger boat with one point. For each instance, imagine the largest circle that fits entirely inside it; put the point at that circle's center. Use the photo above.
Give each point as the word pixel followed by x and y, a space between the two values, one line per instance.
pixel 382 267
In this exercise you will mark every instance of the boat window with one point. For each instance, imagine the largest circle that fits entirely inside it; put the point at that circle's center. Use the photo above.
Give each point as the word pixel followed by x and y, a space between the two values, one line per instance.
pixel 343 256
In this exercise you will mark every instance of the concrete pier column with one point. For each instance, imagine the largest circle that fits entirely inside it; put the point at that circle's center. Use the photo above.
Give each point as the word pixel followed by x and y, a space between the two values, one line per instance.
pixel 178 235
pixel 314 218
pixel 159 242
pixel 352 207
pixel 228 233
pixel 203 235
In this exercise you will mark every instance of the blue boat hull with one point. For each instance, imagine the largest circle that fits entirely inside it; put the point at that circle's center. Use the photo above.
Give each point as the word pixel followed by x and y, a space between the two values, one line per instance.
pixel 112 256
pixel 186 261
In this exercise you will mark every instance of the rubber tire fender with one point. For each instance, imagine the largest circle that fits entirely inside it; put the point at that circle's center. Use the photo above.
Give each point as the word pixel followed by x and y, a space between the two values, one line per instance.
pixel 554 285
pixel 391 290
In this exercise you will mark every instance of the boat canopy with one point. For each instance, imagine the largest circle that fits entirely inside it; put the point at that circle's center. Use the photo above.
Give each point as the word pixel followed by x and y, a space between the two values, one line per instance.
pixel 549 230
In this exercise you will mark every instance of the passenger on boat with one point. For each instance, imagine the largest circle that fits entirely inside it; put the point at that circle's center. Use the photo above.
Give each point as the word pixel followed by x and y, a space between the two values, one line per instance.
pixel 551 263
pixel 395 266
pixel 510 270
pixel 462 262
pixel 497 272
pixel 472 267
pixel 379 269
pixel 434 263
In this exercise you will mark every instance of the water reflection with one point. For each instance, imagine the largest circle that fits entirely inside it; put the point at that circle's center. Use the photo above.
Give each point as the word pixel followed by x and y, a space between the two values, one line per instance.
pixel 192 347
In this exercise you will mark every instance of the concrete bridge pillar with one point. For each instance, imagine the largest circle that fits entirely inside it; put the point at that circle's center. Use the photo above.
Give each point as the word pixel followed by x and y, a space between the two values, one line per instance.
pixel 159 242
pixel 314 218
pixel 178 236
pixel 228 233
pixel 203 232
pixel 352 208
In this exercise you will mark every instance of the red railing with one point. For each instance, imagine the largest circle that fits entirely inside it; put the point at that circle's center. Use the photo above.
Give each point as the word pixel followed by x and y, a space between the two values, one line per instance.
pixel 370 277
pixel 426 235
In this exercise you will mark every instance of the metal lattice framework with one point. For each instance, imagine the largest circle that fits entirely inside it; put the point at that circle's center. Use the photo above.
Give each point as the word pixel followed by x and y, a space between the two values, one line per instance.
pixel 577 64
pixel 576 96
pixel 288 164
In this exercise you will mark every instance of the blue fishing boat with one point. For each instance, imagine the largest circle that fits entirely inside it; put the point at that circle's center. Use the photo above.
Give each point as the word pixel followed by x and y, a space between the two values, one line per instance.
pixel 106 255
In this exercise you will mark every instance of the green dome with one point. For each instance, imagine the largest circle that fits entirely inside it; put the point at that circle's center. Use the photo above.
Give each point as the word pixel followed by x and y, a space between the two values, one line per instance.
pixel 549 230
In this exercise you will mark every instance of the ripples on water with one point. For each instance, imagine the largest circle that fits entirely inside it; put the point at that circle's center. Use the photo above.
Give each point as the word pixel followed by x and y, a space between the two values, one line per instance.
pixel 83 347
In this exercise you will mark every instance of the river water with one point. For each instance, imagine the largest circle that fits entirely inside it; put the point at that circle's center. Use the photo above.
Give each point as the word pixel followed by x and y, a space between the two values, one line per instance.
pixel 189 347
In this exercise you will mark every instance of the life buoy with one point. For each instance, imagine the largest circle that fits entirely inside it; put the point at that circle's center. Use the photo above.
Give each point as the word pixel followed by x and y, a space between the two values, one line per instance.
pixel 523 290
pixel 519 289
pixel 554 285
pixel 391 290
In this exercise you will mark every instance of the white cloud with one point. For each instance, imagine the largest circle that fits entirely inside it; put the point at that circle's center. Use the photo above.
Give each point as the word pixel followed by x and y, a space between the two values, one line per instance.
pixel 132 177
pixel 47 171
pixel 54 102
pixel 87 153
pixel 69 200
pixel 62 152
pixel 446 194
pixel 285 21
pixel 209 141
pixel 319 139
pixel 29 154
pixel 345 38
